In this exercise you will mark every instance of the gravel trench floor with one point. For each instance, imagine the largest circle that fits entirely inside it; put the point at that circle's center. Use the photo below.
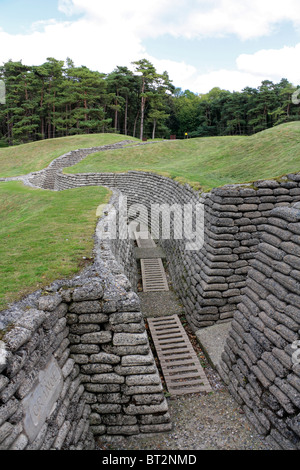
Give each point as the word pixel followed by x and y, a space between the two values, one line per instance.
pixel 211 421
pixel 199 423
pixel 203 421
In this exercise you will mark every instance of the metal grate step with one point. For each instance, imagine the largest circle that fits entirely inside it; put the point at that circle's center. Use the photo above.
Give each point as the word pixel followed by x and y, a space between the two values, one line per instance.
pixel 180 365
pixel 153 275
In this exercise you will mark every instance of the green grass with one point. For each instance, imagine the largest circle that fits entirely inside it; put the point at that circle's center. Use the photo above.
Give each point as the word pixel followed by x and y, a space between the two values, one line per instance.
pixel 208 162
pixel 23 159
pixel 44 235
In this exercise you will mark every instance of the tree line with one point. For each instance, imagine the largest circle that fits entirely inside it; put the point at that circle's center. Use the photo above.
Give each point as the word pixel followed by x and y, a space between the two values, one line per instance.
pixel 58 99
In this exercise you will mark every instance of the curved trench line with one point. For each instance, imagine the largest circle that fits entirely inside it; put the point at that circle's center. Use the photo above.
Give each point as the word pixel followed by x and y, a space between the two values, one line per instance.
pixel 245 343
pixel 63 161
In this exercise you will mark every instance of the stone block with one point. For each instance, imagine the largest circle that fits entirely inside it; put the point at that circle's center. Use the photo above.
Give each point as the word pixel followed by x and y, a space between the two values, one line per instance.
pixel 96 368
pixel 283 399
pixel 49 302
pixel 102 388
pixel 100 337
pixel 125 317
pixel 31 320
pixel 146 409
pixel 130 339
pixel 16 338
pixel 90 291
pixel 93 318
pixel 104 358
pixel 110 378
pixel 142 389
pixel 139 360
pixel 145 380
pixel 107 408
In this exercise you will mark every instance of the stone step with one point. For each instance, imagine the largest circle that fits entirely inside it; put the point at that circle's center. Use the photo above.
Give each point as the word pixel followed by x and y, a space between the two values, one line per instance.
pixel 212 340
pixel 149 253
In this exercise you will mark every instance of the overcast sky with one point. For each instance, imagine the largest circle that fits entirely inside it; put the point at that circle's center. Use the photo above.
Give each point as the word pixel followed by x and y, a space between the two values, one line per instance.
pixel 201 43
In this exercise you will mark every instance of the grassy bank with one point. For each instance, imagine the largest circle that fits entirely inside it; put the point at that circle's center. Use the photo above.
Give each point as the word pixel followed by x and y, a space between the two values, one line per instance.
pixel 44 235
pixel 211 161
pixel 23 159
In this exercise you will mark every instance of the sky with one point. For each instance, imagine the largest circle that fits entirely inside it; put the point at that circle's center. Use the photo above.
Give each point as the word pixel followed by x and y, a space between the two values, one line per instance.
pixel 202 44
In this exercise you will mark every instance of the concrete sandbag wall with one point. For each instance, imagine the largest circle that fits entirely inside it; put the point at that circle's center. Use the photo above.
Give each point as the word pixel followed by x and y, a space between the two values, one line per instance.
pixel 246 272
pixel 210 280
pixel 75 362
pixel 261 361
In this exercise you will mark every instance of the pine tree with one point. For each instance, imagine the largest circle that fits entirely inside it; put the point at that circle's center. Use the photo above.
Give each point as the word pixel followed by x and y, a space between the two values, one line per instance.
pixel 148 77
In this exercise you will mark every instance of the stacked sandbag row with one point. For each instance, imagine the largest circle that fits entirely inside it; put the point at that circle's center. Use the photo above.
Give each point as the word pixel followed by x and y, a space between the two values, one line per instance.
pixel 42 403
pixel 261 361
pixel 209 278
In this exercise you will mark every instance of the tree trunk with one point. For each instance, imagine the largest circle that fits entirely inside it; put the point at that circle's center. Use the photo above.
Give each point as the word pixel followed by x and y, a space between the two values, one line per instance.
pixel 42 129
pixel 49 128
pixel 42 119
pixel 53 110
pixel 126 116
pixel 116 111
pixel 153 130
pixel 85 107
pixel 9 131
pixel 142 110
pixel 142 117
pixel 49 114
pixel 135 123
pixel 67 129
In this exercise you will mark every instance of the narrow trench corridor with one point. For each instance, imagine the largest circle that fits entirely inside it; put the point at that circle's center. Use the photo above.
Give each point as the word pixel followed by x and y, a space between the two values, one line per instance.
pixel 202 419
pixel 180 366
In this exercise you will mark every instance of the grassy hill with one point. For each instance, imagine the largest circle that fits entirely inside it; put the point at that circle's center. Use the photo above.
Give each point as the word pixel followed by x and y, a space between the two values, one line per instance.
pixel 44 235
pixel 23 159
pixel 208 162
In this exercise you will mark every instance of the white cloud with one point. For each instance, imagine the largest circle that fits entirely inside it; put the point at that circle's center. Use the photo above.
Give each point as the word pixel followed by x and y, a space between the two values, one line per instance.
pixel 276 63
pixel 145 19
pixel 247 19
pixel 232 80
pixel 103 35
pixel 180 73
pixel 251 70
pixel 83 41
pixel 101 39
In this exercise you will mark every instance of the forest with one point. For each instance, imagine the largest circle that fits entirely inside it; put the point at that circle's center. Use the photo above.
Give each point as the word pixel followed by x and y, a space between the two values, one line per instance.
pixel 58 99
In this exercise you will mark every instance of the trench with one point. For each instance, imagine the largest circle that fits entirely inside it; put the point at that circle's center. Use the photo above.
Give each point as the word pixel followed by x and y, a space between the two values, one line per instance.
pixel 224 274
pixel 158 298
pixel 179 363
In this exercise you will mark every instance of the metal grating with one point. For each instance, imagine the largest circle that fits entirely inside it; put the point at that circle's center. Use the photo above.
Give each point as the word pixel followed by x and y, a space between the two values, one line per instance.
pixel 154 278
pixel 180 365
pixel 153 275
